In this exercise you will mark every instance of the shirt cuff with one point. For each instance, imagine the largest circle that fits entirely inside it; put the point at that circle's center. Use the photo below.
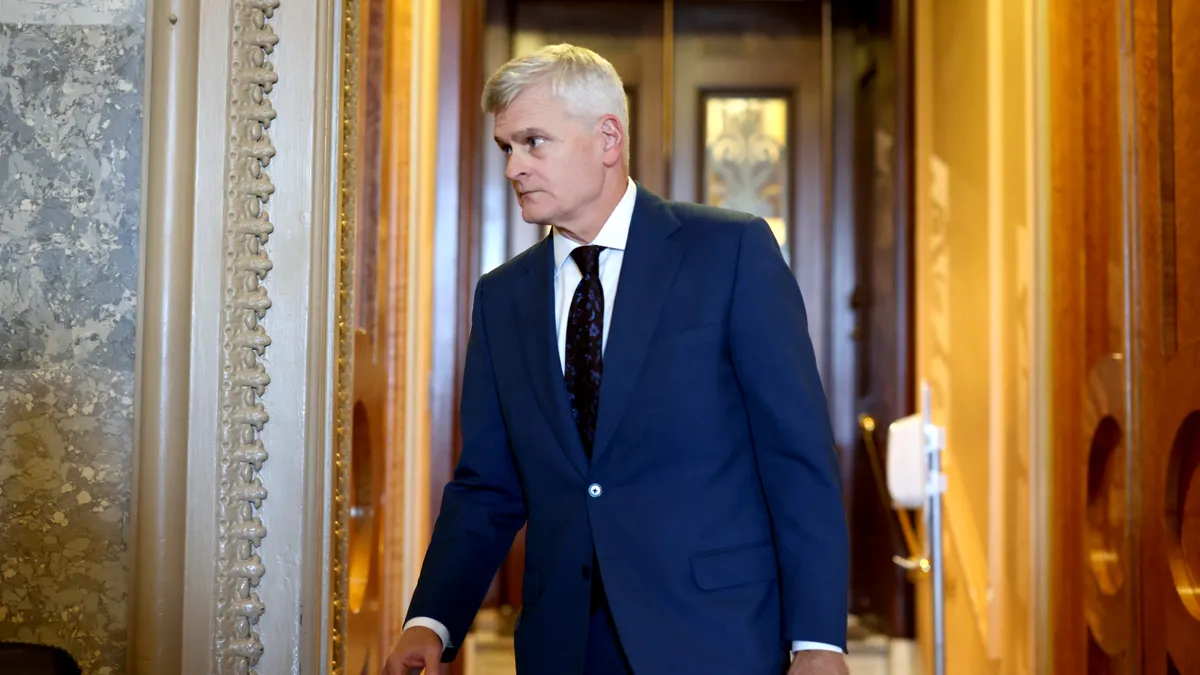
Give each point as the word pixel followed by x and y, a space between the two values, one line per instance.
pixel 802 645
pixel 444 635
pixel 433 625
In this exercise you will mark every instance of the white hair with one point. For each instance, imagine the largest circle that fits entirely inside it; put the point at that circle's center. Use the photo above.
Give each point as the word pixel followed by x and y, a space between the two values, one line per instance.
pixel 578 76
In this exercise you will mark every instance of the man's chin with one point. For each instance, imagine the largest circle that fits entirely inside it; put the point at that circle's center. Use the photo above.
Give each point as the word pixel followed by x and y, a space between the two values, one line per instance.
pixel 534 216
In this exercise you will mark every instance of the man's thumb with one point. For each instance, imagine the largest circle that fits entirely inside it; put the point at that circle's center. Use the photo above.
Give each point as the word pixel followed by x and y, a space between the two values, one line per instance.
pixel 433 661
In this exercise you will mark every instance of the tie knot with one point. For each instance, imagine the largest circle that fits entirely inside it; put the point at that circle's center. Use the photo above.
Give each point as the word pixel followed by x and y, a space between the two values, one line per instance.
pixel 588 259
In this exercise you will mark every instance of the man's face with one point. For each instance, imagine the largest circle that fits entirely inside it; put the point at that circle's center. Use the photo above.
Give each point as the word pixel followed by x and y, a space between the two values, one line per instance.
pixel 556 160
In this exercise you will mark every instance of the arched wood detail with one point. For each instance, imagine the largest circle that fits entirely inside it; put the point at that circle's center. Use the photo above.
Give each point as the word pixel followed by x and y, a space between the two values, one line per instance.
pixel 1181 525
pixel 1107 588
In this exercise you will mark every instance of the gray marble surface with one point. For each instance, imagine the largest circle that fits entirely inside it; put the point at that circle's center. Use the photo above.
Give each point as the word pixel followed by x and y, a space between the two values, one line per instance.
pixel 70 123
pixel 71 78
pixel 65 467
pixel 73 12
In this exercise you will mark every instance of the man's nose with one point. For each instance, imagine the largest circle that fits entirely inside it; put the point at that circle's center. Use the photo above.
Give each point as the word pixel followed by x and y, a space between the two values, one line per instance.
pixel 515 168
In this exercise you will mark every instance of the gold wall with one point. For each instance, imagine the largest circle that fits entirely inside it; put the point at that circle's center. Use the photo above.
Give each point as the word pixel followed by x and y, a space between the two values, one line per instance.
pixel 974 316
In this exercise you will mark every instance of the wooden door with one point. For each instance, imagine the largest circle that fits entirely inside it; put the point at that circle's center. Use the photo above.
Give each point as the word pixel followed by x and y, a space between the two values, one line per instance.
pixel 747 127
pixel 746 73
pixel 1093 622
pixel 840 210
pixel 737 105
pixel 369 592
pixel 878 353
pixel 1125 316
pixel 1166 224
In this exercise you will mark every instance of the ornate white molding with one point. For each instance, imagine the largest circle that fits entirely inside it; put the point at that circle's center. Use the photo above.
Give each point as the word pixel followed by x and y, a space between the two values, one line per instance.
pixel 243 376
pixel 221 596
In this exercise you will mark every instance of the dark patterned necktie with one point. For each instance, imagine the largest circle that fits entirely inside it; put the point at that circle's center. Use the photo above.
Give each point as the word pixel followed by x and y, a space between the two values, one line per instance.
pixel 584 363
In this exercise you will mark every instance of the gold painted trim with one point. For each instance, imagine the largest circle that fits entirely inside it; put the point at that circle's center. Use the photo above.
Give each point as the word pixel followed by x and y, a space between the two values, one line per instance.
pixel 347 196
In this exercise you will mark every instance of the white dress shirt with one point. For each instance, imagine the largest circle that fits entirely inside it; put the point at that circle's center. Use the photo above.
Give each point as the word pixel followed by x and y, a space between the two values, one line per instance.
pixel 567 275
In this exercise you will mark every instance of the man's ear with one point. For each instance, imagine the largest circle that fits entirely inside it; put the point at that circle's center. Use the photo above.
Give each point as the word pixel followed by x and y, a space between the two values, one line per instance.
pixel 614 139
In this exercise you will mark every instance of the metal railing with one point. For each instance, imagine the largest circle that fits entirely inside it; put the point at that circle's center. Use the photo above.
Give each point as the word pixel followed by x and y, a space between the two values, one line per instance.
pixel 916 558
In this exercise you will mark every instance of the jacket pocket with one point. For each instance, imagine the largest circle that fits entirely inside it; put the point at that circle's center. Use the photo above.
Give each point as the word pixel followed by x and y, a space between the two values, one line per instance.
pixel 733 567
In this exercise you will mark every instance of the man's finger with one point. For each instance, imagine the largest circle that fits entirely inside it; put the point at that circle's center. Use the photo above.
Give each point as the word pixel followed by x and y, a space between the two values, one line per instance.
pixel 433 661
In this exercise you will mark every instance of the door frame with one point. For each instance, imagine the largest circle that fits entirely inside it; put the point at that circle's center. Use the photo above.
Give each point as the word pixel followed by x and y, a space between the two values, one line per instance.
pixel 199 501
pixel 204 396
pixel 470 208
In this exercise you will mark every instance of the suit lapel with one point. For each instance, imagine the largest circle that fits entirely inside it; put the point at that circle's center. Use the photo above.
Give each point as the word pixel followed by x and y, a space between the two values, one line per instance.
pixel 535 325
pixel 647 272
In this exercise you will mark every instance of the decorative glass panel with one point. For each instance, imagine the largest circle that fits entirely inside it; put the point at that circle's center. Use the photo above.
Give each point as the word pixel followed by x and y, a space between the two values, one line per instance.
pixel 746 163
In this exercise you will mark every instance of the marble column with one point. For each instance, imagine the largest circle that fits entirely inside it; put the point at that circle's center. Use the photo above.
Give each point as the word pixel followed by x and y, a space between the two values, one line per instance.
pixel 71 81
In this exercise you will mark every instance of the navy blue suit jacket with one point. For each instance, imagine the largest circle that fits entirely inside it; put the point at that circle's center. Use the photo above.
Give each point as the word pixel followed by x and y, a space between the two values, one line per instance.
pixel 719 525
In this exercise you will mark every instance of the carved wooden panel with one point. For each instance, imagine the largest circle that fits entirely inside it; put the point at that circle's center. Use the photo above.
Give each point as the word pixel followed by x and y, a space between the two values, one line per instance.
pixel 361 471
pixel 1167 110
pixel 361 468
pixel 371 505
pixel 1179 91
pixel 362 506
pixel 1166 180
pixel 1106 552
pixel 369 118
pixel 1125 124
pixel 1093 577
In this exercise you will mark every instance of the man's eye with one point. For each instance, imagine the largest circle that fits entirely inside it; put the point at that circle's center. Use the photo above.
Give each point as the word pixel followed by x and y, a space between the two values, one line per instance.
pixel 535 141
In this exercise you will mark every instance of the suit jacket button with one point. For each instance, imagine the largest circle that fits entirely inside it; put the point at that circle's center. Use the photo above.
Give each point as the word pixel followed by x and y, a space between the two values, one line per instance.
pixel 595 490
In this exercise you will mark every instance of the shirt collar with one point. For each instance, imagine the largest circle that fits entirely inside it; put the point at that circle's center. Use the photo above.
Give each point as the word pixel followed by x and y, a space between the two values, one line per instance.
pixel 613 235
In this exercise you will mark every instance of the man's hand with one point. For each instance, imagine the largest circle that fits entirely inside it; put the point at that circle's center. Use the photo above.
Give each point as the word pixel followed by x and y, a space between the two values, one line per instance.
pixel 818 662
pixel 419 648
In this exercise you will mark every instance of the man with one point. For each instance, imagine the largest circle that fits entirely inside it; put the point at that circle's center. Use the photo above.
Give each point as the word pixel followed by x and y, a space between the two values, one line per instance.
pixel 641 390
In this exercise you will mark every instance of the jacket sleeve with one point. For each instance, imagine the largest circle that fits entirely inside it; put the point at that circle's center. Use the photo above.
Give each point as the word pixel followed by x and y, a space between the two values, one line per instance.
pixel 793 440
pixel 483 507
